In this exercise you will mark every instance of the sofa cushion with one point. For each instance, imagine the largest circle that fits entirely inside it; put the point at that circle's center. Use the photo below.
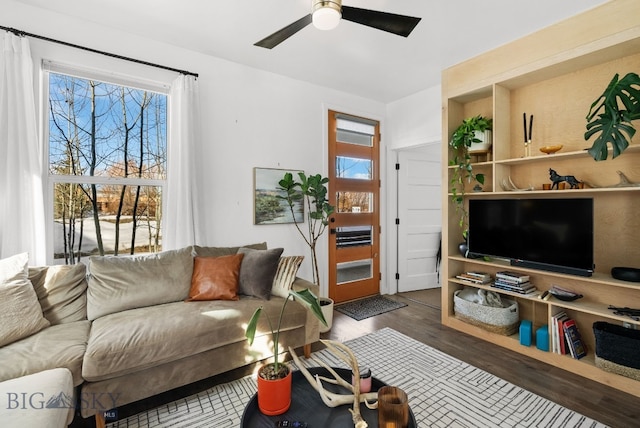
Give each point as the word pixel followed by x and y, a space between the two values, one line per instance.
pixel 129 341
pixel 60 345
pixel 14 267
pixel 118 283
pixel 257 271
pixel 61 290
pixel 285 275
pixel 224 251
pixel 215 278
pixel 20 312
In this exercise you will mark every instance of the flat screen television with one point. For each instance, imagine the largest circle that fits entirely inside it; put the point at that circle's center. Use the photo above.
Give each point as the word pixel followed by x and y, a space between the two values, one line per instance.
pixel 547 234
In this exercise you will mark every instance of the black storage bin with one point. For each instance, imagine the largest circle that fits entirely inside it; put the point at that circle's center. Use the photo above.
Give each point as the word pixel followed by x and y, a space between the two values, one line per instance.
pixel 617 349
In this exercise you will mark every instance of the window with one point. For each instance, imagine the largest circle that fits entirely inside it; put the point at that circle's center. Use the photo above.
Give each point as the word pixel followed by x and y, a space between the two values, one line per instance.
pixel 107 165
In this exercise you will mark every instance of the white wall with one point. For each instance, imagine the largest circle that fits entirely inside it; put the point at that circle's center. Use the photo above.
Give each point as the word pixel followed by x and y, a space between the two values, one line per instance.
pixel 416 119
pixel 412 121
pixel 250 118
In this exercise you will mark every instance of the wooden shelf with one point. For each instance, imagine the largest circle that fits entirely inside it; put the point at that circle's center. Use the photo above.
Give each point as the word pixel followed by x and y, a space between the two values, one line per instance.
pixel 598 309
pixel 556 74
pixel 558 156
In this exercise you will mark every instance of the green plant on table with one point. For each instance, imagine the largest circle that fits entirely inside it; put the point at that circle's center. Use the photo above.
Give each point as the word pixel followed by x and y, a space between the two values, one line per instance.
pixel 306 298
pixel 611 115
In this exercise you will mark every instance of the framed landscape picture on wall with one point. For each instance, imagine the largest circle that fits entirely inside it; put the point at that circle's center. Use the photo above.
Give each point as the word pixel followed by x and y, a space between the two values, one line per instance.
pixel 267 207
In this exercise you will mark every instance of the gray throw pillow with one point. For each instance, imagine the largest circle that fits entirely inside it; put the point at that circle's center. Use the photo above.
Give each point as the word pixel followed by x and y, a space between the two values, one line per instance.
pixel 118 283
pixel 257 271
pixel 224 251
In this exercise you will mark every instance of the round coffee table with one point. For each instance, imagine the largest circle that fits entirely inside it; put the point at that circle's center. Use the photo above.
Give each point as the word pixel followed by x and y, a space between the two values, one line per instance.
pixel 307 406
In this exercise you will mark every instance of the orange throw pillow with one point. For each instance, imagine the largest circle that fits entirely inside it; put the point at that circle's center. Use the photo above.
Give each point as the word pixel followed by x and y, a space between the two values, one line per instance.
pixel 215 278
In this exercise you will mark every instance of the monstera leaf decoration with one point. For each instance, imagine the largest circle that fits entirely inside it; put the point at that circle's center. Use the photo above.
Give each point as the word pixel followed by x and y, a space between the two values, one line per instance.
pixel 609 120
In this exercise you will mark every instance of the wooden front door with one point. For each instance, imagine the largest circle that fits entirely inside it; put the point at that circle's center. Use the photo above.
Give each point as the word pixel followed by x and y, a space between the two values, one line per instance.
pixel 354 189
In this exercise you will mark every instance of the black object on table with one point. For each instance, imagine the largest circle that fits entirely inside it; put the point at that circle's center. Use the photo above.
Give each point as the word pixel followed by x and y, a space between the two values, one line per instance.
pixel 307 406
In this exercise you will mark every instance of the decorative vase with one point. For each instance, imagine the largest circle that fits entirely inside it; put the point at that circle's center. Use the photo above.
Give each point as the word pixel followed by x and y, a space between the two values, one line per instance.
pixel 463 248
pixel 274 396
pixel 326 306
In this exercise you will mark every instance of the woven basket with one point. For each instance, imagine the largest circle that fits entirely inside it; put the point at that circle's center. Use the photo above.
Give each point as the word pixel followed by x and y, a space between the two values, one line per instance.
pixel 503 321
pixel 617 349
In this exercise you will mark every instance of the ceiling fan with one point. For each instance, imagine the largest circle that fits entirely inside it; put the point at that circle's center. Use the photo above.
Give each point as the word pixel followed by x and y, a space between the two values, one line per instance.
pixel 326 14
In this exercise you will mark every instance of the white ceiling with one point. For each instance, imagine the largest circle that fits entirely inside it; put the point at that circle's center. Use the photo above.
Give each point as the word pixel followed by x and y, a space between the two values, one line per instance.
pixel 351 58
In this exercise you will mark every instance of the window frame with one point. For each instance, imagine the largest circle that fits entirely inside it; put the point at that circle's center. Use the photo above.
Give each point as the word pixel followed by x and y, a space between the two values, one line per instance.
pixel 50 180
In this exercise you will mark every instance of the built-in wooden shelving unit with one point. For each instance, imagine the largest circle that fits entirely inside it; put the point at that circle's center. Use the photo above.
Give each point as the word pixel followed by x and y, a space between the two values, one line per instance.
pixel 554 74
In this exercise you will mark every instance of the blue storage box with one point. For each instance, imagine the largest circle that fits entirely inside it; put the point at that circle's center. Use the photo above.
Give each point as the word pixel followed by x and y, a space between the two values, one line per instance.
pixel 525 332
pixel 542 338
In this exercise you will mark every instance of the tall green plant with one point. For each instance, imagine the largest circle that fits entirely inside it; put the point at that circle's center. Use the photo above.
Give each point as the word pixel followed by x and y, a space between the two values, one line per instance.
pixel 611 114
pixel 305 298
pixel 461 140
pixel 311 191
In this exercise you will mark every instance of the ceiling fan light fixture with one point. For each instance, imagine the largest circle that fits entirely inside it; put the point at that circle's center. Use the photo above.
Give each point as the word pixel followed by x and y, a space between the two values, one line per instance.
pixel 326 15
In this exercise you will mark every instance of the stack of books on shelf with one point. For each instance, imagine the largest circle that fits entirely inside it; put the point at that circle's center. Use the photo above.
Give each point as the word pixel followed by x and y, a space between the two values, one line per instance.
pixel 475 277
pixel 514 282
pixel 565 336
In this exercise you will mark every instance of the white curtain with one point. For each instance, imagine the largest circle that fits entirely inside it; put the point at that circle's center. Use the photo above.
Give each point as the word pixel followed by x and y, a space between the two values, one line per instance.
pixel 22 219
pixel 182 225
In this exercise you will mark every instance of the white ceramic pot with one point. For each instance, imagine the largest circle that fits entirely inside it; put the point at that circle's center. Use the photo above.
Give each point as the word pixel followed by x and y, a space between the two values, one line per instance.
pixel 326 305
pixel 486 139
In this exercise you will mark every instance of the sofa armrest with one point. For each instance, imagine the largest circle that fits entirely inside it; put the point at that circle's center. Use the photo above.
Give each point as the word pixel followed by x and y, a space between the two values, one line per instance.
pixel 312 324
pixel 51 399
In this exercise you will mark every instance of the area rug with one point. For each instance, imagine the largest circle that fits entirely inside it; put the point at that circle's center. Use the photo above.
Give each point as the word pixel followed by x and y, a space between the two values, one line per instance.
pixel 368 307
pixel 443 392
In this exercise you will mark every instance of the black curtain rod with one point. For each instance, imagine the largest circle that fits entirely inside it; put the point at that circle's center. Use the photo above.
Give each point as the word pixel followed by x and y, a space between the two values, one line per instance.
pixel 21 33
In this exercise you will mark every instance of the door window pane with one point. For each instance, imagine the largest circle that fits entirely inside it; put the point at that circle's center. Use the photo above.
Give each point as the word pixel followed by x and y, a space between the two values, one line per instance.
pixel 353 236
pixel 359 169
pixel 354 138
pixel 354 271
pixel 354 202
pixel 355 132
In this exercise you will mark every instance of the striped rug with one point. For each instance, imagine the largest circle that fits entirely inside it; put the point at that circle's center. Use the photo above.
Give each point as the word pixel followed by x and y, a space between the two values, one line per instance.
pixel 443 392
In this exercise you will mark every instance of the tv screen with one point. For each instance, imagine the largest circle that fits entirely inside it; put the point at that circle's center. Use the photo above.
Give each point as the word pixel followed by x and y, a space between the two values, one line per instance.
pixel 548 234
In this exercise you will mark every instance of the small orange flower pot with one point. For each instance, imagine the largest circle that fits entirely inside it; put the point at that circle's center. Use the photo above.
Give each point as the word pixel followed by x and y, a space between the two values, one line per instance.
pixel 274 396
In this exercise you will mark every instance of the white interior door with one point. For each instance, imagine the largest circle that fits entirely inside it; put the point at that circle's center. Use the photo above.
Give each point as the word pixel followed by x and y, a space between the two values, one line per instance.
pixel 419 213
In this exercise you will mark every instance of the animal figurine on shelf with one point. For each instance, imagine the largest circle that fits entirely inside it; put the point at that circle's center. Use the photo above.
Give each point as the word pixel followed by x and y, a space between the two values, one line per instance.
pixel 557 179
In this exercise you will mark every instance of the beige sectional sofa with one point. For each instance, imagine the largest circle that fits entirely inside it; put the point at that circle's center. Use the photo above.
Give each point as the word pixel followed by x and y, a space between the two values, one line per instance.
pixel 127 329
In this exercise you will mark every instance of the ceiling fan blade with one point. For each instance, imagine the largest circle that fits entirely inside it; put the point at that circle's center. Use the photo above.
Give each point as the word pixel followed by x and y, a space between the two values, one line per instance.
pixel 401 25
pixel 283 34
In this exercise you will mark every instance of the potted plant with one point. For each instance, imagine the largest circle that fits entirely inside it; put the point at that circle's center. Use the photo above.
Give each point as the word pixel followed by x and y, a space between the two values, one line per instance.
pixel 274 379
pixel 326 304
pixel 611 116
pixel 312 192
pixel 471 131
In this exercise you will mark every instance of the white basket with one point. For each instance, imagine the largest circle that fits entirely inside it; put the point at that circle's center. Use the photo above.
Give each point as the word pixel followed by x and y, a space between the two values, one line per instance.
pixel 503 321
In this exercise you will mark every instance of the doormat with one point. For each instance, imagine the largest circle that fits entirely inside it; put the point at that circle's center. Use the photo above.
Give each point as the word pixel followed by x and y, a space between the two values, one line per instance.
pixel 368 307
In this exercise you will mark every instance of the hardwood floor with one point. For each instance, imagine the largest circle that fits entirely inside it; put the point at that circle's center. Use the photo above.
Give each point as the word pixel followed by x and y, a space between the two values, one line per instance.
pixel 420 319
